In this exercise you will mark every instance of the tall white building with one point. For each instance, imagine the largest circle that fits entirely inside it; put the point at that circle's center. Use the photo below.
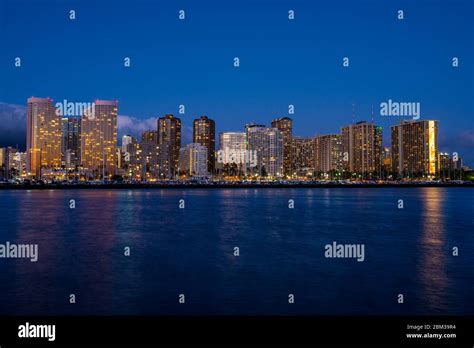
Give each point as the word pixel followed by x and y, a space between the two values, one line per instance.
pixel 232 147
pixel 193 160
pixel 267 143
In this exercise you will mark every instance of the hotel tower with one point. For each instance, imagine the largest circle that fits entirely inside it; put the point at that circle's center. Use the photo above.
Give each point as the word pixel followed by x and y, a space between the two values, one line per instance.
pixel 362 148
pixel 169 143
pixel 43 137
pixel 99 140
pixel 204 133
pixel 415 148
pixel 285 126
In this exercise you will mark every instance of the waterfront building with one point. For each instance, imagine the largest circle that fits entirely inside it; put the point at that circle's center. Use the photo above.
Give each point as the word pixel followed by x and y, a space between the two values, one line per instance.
pixel 43 137
pixel 150 153
pixel 71 142
pixel 285 126
pixel 415 148
pixel 328 153
pixel 99 140
pixel 204 133
pixel 169 144
pixel 362 147
pixel 193 160
pixel 303 156
pixel 267 144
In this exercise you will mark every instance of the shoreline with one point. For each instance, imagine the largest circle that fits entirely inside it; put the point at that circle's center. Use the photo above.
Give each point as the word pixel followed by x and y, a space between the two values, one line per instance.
pixel 116 186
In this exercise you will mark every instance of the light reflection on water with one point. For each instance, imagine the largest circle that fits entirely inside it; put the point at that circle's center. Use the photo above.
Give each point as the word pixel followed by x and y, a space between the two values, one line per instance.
pixel 281 251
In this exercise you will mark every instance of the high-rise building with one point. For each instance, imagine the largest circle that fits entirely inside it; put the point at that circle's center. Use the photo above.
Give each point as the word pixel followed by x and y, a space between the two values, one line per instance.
pixel 71 142
pixel 99 140
pixel 3 163
pixel 204 133
pixel 150 137
pixel 233 146
pixel 328 153
pixel 303 156
pixel 415 148
pixel 150 149
pixel 362 147
pixel 16 163
pixel 126 139
pixel 135 163
pixel 193 160
pixel 285 126
pixel 43 136
pixel 386 162
pixel 267 143
pixel 169 143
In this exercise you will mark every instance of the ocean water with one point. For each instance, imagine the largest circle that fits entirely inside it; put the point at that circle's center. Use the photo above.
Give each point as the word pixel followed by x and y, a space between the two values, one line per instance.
pixel 190 251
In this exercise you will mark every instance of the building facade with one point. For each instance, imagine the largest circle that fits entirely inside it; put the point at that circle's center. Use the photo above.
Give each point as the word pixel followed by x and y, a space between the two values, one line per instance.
pixel 150 150
pixel 285 126
pixel 71 142
pixel 169 144
pixel 99 140
pixel 303 156
pixel 362 148
pixel 328 153
pixel 415 148
pixel 204 133
pixel 267 143
pixel 43 137
pixel 193 160
pixel 232 147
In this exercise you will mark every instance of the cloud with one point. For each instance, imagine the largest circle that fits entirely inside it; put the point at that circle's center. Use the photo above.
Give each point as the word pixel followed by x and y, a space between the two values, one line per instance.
pixel 135 126
pixel 12 125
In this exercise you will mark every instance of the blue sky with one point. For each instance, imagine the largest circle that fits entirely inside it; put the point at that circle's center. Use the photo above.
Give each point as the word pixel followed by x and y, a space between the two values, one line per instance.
pixel 283 62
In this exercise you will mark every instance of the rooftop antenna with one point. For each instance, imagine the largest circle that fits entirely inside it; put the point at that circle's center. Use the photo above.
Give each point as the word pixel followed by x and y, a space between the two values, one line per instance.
pixel 353 113
pixel 372 113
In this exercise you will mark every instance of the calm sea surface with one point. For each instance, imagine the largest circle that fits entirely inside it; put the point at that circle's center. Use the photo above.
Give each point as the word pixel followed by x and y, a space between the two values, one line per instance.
pixel 191 251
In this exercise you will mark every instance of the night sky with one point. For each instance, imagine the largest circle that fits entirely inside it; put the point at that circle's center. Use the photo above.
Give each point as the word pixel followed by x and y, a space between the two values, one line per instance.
pixel 282 62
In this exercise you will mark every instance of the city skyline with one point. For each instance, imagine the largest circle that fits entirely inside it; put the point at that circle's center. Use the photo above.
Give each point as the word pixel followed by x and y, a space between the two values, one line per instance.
pixel 282 62
pixel 88 148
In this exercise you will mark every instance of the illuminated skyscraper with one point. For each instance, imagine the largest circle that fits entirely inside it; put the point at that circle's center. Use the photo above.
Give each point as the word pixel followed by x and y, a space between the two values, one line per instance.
pixel 362 147
pixel 285 126
pixel 149 146
pixel 232 147
pixel 99 140
pixel 415 148
pixel 267 143
pixel 204 133
pixel 328 154
pixel 43 136
pixel 169 143
pixel 3 163
pixel 303 156
pixel 71 142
